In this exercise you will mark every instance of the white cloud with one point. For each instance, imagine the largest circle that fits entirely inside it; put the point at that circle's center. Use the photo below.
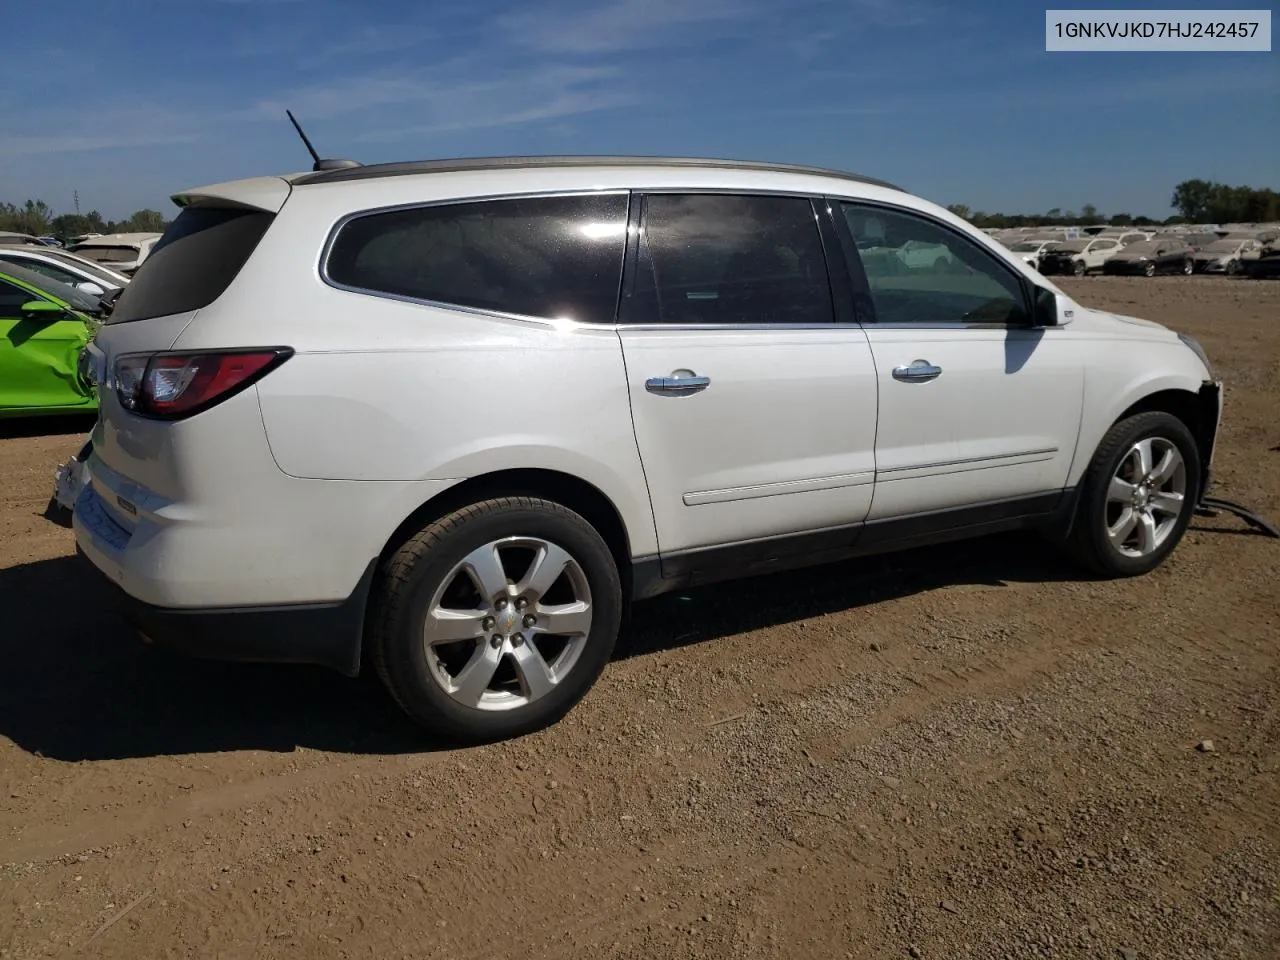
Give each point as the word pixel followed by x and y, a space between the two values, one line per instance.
pixel 617 25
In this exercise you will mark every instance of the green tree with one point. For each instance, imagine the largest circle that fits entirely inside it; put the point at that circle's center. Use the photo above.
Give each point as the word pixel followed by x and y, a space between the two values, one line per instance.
pixel 1089 213
pixel 143 221
pixel 32 217
pixel 960 210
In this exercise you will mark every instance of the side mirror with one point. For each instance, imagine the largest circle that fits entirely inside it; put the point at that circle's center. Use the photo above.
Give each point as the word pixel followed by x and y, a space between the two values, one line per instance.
pixel 1044 311
pixel 43 310
pixel 91 288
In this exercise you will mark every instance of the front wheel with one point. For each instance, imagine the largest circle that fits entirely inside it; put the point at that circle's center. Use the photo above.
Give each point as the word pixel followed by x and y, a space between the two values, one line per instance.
pixel 1187 268
pixel 496 620
pixel 1233 267
pixel 1149 270
pixel 1137 496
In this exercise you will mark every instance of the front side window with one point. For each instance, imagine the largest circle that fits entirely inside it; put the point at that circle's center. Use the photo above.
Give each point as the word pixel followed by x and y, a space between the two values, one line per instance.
pixel 714 258
pixel 919 271
pixel 553 257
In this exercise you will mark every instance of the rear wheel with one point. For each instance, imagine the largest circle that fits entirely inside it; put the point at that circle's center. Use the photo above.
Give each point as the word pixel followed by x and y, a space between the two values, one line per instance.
pixel 1149 270
pixel 1187 267
pixel 1137 496
pixel 494 621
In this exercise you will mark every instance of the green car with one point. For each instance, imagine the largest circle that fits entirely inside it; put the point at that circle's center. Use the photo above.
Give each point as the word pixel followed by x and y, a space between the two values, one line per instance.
pixel 44 325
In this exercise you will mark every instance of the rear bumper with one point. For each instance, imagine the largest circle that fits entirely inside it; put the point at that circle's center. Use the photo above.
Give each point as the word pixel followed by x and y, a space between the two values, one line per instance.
pixel 327 634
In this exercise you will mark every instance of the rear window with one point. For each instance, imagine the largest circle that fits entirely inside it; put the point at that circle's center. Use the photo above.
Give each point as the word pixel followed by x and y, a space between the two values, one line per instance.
pixel 536 256
pixel 193 263
pixel 107 254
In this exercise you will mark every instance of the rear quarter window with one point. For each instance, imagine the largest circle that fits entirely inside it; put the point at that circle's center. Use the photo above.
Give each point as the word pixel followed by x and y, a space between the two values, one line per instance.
pixel 193 263
pixel 547 257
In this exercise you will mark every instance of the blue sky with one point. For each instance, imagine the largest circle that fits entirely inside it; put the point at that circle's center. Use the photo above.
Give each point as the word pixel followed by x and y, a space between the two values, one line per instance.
pixel 128 101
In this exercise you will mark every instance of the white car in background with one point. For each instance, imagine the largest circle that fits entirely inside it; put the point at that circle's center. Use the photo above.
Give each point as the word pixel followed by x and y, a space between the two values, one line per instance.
pixel 1032 250
pixel 121 252
pixel 85 275
pixel 1080 257
pixel 449 418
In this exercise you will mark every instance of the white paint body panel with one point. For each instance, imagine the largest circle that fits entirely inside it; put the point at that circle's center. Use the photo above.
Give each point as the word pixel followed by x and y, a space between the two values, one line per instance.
pixel 999 422
pixel 286 491
pixel 782 440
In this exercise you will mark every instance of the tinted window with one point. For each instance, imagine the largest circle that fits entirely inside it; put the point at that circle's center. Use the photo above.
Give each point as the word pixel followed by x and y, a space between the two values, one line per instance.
pixel 729 259
pixel 922 272
pixel 50 271
pixel 537 256
pixel 11 300
pixel 193 263
pixel 54 288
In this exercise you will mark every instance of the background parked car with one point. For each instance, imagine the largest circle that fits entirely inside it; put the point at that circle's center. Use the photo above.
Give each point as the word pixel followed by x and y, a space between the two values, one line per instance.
pixel 1222 256
pixel 1079 256
pixel 1160 255
pixel 1264 261
pixel 122 252
pixel 44 326
pixel 1031 251
pixel 19 239
pixel 85 275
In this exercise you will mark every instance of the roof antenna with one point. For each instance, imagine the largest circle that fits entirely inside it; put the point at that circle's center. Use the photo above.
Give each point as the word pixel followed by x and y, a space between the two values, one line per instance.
pixel 319 163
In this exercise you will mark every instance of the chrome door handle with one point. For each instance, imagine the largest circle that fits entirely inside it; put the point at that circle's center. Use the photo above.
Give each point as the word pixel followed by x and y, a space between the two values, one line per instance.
pixel 917 372
pixel 677 385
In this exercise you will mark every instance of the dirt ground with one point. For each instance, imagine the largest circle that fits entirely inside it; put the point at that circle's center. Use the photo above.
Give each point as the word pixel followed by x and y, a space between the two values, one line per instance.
pixel 968 751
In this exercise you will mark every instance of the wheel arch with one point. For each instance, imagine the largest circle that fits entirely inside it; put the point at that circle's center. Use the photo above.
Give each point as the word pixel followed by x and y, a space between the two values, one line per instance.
pixel 570 491
pixel 1196 407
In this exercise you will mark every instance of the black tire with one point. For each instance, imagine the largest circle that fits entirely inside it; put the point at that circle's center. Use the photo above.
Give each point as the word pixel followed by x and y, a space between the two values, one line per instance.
pixel 1089 542
pixel 410 577
pixel 1079 269
pixel 1188 268
pixel 1233 267
pixel 1149 270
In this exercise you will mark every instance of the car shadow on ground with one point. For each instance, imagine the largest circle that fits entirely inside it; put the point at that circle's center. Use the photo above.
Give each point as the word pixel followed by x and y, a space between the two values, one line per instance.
pixel 79 685
pixel 689 617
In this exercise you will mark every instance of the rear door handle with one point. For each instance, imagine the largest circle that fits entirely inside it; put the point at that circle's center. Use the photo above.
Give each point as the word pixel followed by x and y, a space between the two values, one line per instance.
pixel 917 372
pixel 679 384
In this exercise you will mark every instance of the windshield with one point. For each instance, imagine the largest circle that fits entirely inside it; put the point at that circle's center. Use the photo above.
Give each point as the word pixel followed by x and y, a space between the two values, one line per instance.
pixel 54 288
pixel 1221 246
pixel 1027 247
pixel 1074 247
pixel 104 254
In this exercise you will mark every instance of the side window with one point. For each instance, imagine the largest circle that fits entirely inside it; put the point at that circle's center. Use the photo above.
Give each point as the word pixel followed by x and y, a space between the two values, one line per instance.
pixel 538 256
pixel 12 298
pixel 720 258
pixel 922 272
pixel 54 273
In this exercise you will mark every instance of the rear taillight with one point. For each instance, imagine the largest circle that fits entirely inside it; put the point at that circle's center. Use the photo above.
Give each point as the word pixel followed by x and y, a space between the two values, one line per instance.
pixel 169 386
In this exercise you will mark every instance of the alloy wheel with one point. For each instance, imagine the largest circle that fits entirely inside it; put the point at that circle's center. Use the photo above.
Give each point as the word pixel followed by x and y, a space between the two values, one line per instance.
pixel 1146 497
pixel 508 623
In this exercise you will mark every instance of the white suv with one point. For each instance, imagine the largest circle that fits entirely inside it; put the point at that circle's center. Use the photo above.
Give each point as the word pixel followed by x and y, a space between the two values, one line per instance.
pixel 455 415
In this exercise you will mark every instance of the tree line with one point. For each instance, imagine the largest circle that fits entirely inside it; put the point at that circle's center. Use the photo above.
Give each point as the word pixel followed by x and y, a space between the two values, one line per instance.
pixel 37 218
pixel 1197 201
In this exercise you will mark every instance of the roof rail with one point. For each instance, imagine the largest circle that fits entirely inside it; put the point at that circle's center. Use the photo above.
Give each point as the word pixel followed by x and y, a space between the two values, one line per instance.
pixel 351 171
